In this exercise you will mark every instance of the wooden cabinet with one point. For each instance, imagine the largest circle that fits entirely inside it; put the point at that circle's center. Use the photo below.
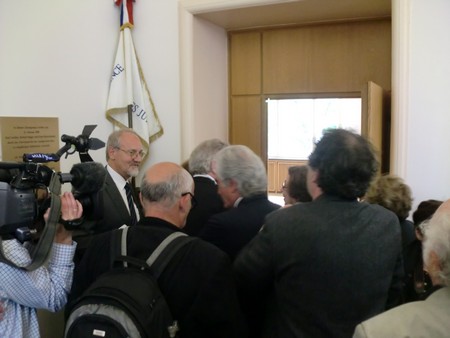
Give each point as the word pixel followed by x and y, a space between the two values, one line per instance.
pixel 277 171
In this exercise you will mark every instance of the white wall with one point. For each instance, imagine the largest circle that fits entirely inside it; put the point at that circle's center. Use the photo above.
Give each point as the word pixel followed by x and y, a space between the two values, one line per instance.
pixel 427 147
pixel 211 82
pixel 56 59
pixel 204 81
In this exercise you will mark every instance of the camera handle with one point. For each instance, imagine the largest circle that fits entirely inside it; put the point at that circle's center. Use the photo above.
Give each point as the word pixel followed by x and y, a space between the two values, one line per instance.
pixel 41 251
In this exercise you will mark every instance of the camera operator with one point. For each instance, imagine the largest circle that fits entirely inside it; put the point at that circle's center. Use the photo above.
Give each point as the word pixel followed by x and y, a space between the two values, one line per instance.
pixel 22 291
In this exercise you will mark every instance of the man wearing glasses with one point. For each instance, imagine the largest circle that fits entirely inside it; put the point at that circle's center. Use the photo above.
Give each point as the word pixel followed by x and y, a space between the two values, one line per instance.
pixel 124 155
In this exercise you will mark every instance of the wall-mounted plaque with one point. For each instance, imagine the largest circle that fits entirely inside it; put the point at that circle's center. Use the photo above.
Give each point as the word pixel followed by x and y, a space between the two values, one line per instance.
pixel 26 135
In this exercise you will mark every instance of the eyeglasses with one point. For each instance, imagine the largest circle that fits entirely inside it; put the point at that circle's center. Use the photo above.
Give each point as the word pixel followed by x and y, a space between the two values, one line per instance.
pixel 193 200
pixel 133 152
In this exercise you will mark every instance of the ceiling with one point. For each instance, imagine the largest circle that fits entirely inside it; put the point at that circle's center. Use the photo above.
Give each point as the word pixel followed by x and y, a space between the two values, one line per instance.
pixel 297 12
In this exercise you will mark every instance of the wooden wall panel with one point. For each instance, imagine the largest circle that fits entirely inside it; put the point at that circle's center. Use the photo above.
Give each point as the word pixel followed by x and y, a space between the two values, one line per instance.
pixel 327 58
pixel 330 60
pixel 246 125
pixel 271 179
pixel 323 58
pixel 245 63
pixel 286 61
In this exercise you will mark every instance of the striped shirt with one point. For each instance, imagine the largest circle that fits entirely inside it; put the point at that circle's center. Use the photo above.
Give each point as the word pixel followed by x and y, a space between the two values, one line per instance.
pixel 22 292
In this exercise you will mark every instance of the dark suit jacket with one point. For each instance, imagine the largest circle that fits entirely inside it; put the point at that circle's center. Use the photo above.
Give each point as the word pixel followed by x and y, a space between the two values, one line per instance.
pixel 208 203
pixel 115 214
pixel 330 264
pixel 197 283
pixel 232 229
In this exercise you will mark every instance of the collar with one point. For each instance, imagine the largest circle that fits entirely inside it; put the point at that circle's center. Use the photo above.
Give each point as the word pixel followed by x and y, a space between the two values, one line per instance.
pixel 245 200
pixel 157 222
pixel 206 176
pixel 117 178
pixel 433 289
pixel 327 197
pixel 238 200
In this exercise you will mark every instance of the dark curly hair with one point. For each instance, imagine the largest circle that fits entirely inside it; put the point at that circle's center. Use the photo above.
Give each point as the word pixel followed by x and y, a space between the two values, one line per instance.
pixel 346 163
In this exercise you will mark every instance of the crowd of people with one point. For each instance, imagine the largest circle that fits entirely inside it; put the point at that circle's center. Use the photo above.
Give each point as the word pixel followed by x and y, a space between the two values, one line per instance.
pixel 341 259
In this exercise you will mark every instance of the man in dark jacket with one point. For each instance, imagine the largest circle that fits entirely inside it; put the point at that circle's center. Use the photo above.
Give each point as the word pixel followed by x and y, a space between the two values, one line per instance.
pixel 209 201
pixel 197 284
pixel 124 154
pixel 242 180
pixel 331 263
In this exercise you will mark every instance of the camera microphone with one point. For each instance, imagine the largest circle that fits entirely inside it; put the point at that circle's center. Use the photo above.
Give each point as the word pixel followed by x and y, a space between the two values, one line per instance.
pixel 87 177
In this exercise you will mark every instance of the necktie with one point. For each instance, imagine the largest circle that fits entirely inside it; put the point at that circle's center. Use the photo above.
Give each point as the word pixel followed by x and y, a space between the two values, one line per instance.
pixel 131 204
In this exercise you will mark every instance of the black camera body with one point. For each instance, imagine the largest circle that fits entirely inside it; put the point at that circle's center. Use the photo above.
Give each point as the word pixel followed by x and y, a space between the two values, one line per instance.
pixel 25 193
pixel 22 207
pixel 18 208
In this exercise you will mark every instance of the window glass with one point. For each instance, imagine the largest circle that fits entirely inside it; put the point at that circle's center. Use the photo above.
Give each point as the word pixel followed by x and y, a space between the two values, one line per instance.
pixel 294 125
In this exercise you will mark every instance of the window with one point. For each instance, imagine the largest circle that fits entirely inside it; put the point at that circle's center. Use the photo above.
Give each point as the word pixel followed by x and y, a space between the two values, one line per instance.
pixel 295 125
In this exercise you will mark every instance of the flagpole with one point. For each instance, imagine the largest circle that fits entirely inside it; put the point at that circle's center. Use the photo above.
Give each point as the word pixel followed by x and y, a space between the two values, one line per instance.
pixel 130 116
pixel 129 100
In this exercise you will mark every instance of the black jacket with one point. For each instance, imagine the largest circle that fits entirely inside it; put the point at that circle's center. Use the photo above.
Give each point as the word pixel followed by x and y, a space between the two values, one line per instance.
pixel 197 284
pixel 232 229
pixel 208 203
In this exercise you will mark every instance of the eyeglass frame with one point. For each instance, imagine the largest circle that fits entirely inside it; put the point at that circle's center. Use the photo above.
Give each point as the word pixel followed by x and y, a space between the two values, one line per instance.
pixel 133 152
pixel 193 199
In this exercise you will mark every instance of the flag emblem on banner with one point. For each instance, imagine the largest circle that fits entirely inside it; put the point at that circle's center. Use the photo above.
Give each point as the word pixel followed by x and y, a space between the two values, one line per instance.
pixel 129 102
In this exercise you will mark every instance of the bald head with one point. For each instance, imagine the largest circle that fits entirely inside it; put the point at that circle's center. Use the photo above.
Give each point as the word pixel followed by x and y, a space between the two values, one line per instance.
pixel 436 246
pixel 165 192
pixel 444 208
pixel 162 172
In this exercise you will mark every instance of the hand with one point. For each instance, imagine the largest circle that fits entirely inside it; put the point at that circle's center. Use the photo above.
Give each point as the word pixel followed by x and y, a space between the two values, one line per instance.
pixel 71 209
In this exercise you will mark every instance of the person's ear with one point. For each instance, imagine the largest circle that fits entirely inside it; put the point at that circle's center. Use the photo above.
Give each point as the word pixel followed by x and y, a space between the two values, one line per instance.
pixel 184 204
pixel 434 267
pixel 233 185
pixel 111 153
pixel 419 235
pixel 314 175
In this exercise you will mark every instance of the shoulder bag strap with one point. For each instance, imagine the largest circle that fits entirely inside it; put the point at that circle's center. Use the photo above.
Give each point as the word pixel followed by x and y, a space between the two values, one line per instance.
pixel 162 255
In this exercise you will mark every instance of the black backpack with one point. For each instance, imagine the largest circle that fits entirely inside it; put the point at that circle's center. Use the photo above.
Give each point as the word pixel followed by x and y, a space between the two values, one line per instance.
pixel 126 301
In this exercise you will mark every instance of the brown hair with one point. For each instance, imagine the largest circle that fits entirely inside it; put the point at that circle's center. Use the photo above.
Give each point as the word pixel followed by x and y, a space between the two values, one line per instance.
pixel 392 193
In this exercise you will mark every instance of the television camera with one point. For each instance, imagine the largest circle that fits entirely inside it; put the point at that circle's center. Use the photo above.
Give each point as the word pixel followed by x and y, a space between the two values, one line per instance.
pixel 26 190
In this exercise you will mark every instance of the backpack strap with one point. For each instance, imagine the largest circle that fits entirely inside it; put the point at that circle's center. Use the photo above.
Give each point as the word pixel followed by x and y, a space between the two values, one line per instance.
pixel 158 259
pixel 114 251
pixel 119 246
pixel 162 255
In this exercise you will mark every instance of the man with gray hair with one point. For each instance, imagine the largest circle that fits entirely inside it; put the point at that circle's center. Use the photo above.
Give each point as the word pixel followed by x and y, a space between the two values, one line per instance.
pixel 242 181
pixel 209 202
pixel 430 317
pixel 197 283
pixel 124 155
